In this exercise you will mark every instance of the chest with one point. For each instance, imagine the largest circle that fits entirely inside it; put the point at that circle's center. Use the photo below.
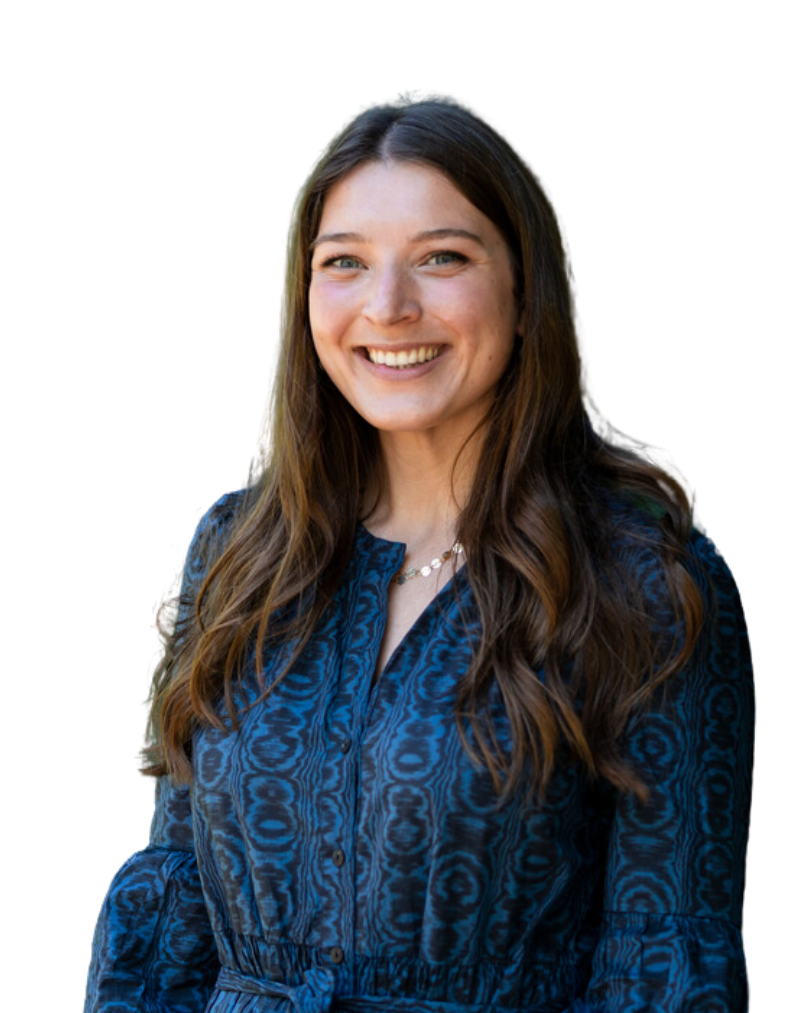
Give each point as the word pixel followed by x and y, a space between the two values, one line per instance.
pixel 405 604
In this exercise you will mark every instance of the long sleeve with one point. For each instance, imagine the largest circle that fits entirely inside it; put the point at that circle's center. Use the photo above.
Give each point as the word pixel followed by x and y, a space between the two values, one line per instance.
pixel 670 940
pixel 153 948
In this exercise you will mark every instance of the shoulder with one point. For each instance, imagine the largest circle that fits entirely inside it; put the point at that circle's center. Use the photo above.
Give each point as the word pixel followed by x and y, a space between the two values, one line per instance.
pixel 708 702
pixel 650 558
pixel 635 521
pixel 214 531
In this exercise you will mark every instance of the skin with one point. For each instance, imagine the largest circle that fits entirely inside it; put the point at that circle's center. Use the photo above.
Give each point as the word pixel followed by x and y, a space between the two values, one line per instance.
pixel 404 265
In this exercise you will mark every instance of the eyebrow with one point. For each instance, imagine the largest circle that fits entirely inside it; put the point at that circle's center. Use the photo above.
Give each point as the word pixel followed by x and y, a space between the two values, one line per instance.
pixel 420 237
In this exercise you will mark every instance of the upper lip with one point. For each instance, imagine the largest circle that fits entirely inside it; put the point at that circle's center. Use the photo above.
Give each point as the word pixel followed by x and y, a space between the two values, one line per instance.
pixel 400 346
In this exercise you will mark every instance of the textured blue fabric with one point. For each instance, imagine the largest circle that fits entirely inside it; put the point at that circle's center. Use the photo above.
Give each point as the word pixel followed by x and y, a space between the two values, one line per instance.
pixel 342 852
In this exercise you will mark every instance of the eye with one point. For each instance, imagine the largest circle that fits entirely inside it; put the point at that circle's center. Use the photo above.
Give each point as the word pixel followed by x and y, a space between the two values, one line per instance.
pixel 343 262
pixel 444 257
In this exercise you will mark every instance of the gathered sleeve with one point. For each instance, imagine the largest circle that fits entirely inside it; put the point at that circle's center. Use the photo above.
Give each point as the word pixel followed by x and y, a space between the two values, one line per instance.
pixel 670 939
pixel 153 948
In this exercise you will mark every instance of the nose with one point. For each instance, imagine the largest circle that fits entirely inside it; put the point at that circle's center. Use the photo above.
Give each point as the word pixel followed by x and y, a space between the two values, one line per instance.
pixel 392 297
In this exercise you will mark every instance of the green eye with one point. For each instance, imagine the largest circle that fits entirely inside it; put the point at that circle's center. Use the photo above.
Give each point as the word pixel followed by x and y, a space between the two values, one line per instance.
pixel 344 263
pixel 444 257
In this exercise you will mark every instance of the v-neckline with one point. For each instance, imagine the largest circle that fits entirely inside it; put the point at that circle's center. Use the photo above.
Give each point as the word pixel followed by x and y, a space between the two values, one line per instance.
pixel 395 554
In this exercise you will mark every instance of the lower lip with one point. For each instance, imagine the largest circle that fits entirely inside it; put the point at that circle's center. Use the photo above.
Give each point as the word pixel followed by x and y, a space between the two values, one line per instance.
pixel 392 373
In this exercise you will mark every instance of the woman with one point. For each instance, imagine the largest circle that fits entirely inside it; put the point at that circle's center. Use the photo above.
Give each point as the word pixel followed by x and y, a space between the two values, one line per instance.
pixel 456 713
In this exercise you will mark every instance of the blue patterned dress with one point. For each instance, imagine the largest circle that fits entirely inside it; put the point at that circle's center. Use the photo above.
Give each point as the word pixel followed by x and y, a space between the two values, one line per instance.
pixel 342 852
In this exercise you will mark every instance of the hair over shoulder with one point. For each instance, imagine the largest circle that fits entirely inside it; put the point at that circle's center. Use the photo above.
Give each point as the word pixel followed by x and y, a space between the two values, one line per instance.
pixel 550 544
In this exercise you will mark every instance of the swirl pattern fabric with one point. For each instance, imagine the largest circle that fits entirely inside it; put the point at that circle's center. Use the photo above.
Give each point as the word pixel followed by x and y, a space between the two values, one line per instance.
pixel 341 851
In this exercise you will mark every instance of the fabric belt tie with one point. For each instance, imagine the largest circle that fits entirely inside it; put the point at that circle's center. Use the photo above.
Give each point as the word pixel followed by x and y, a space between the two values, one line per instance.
pixel 313 996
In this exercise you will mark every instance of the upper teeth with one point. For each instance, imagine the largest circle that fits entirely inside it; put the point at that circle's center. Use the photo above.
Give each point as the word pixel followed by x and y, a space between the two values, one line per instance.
pixel 422 354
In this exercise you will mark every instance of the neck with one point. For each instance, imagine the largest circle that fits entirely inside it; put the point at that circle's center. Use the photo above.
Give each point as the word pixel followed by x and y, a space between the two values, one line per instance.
pixel 427 484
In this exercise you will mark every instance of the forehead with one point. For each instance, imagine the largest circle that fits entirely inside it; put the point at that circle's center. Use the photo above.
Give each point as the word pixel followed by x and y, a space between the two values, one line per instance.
pixel 398 194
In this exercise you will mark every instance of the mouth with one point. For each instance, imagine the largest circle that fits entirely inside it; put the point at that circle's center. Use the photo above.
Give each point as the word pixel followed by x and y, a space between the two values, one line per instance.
pixel 404 359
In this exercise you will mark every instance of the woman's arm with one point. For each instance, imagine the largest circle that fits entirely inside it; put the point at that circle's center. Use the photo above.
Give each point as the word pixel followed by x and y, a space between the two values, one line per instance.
pixel 153 947
pixel 671 939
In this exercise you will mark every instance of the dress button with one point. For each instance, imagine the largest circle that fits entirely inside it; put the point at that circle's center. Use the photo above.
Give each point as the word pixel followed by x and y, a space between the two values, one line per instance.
pixel 338 857
pixel 345 745
pixel 336 955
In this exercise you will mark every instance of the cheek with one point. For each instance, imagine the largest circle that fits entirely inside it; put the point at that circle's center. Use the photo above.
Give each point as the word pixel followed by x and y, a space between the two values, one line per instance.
pixel 318 325
pixel 493 321
pixel 331 310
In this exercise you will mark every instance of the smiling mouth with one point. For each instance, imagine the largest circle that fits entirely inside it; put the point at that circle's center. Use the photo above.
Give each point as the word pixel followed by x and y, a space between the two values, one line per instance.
pixel 404 360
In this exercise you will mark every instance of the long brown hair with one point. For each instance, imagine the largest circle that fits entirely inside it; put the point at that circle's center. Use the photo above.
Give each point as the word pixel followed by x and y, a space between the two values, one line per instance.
pixel 542 560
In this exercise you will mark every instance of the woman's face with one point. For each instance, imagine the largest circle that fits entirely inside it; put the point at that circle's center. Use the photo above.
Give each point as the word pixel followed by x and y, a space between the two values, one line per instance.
pixel 411 303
